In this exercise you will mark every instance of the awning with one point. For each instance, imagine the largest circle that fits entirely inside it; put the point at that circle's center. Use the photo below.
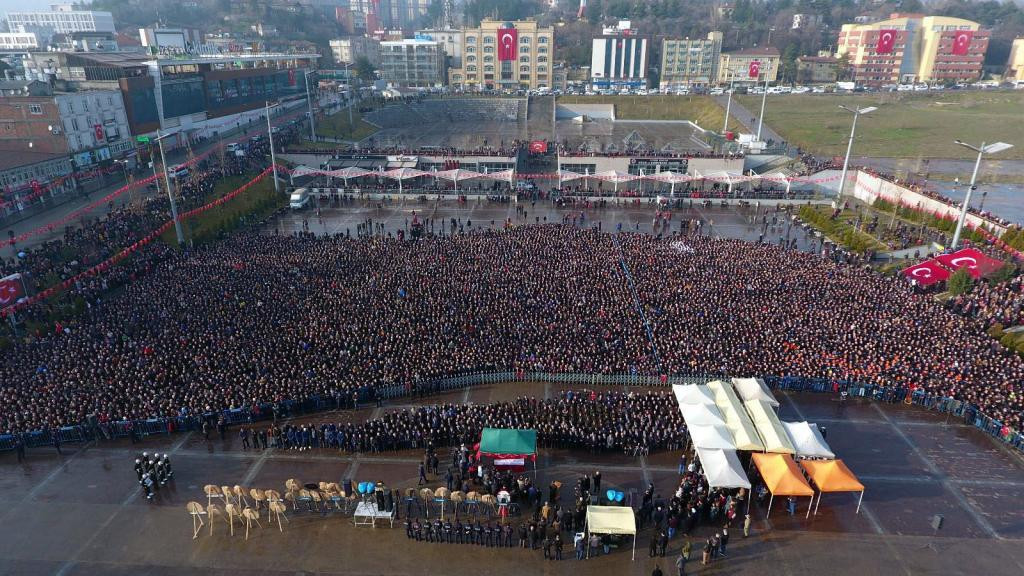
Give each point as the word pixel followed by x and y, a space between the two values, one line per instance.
pixel 782 478
pixel 612 520
pixel 722 469
pixel 457 175
pixel 754 389
pixel 505 443
pixel 769 427
pixel 744 435
pixel 692 394
pixel 348 172
pixel 807 440
pixel 616 176
pixel 568 175
pixel 501 175
pixel 832 476
pixel 670 177
pixel 713 436
pixel 404 173
pixel 701 414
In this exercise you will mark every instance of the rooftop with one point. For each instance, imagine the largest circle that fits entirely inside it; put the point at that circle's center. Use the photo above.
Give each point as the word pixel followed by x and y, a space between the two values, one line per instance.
pixel 754 52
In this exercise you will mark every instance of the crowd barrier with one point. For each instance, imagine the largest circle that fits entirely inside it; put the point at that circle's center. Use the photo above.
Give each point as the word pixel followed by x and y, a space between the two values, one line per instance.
pixel 139 429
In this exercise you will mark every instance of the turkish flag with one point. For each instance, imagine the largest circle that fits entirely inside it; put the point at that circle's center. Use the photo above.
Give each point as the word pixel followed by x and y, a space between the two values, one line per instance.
pixel 977 264
pixel 962 42
pixel 508 39
pixel 754 70
pixel 538 146
pixel 10 290
pixel 100 136
pixel 926 273
pixel 886 41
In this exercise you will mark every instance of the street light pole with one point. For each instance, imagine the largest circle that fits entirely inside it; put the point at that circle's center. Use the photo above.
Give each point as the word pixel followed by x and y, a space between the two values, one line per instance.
pixel 981 150
pixel 309 100
pixel 128 183
pixel 170 193
pixel 728 103
pixel 764 99
pixel 352 99
pixel 849 146
pixel 273 158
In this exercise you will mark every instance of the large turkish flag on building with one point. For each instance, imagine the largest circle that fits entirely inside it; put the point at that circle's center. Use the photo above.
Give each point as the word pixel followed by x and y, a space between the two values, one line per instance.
pixel 886 42
pixel 977 264
pixel 10 290
pixel 508 39
pixel 926 273
pixel 962 42
pixel 754 70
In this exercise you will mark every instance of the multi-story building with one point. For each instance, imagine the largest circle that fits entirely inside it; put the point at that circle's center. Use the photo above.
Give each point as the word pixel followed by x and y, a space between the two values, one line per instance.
pixel 450 40
pixel 412 63
pixel 690 62
pixel 816 69
pixel 18 41
pixel 63 19
pixel 619 58
pixel 910 48
pixel 404 14
pixel 738 66
pixel 506 55
pixel 1015 64
pixel 348 50
pixel 352 21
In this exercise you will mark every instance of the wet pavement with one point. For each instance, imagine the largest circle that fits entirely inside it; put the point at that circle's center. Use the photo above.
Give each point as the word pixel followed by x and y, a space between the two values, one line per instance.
pixel 84 513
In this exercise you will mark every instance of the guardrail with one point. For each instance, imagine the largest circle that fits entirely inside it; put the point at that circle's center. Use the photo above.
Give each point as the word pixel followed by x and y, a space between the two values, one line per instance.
pixel 139 429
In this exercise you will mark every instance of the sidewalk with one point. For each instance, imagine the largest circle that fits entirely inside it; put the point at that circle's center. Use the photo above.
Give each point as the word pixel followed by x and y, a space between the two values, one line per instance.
pixel 749 119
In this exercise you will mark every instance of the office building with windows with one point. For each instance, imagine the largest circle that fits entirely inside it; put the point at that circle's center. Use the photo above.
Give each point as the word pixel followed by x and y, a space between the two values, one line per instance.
pixel 689 62
pixel 412 63
pixel 502 55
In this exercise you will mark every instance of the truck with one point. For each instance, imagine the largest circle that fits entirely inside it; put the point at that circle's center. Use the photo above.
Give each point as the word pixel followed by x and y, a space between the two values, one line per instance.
pixel 849 86
pixel 299 199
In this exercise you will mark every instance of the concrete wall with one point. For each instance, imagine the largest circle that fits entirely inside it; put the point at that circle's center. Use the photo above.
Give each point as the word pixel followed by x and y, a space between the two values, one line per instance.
pixel 601 111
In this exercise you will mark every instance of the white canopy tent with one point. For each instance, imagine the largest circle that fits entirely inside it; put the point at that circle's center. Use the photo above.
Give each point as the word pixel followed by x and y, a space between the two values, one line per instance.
pixel 769 427
pixel 568 176
pixel 615 177
pixel 722 468
pixel 776 177
pixel 671 178
pixel 728 177
pixel 611 520
pixel 349 172
pixel 501 175
pixel 456 175
pixel 711 436
pixel 403 174
pixel 701 415
pixel 744 435
pixel 807 440
pixel 754 389
pixel 690 394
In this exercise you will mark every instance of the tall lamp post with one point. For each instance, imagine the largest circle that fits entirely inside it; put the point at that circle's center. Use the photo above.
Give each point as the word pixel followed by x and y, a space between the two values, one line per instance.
pixel 728 102
pixel 764 100
pixel 309 100
pixel 857 112
pixel 127 182
pixel 170 192
pixel 982 150
pixel 270 135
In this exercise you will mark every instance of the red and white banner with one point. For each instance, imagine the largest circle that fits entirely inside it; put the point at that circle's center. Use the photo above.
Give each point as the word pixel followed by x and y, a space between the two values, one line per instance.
pixel 538 146
pixel 520 462
pixel 886 42
pixel 962 42
pixel 977 264
pixel 101 137
pixel 927 273
pixel 508 40
pixel 11 289
pixel 754 70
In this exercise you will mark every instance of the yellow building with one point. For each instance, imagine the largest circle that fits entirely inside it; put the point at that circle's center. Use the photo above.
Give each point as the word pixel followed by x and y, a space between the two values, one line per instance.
pixel 735 66
pixel 483 47
pixel 1015 66
pixel 922 49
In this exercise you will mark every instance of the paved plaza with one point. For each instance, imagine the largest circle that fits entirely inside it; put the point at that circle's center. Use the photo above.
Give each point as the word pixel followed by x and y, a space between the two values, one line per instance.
pixel 83 512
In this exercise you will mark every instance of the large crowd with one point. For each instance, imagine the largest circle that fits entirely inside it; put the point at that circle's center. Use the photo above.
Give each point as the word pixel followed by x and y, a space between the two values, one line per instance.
pixel 262 318
pixel 993 304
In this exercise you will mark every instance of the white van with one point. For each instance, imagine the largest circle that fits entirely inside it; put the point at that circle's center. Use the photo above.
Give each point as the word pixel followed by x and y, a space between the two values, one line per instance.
pixel 179 171
pixel 299 199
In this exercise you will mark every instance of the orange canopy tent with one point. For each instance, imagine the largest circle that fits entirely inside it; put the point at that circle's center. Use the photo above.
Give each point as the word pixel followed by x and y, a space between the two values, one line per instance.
pixel 782 477
pixel 832 476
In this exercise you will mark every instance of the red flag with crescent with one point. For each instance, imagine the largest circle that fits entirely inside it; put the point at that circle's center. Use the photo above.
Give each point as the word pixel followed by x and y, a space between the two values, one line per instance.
pixel 886 42
pixel 754 70
pixel 962 42
pixel 10 290
pixel 508 39
pixel 926 273
pixel 977 264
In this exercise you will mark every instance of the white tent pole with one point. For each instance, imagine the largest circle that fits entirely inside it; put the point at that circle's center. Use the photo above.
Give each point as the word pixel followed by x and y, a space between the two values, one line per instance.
pixel 634 543
pixel 789 182
pixel 641 182
pixel 859 500
pixel 818 504
pixel 672 191
pixel 770 500
pixel 809 506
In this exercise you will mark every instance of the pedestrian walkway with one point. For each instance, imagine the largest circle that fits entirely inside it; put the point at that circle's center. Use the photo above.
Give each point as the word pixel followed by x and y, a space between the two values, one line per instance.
pixel 749 119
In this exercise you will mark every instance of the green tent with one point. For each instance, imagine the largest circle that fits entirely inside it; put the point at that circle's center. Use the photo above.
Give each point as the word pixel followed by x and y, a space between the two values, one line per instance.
pixel 509 447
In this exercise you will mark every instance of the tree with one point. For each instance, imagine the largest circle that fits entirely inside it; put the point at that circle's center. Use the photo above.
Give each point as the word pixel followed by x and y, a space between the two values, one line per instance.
pixel 960 282
pixel 364 69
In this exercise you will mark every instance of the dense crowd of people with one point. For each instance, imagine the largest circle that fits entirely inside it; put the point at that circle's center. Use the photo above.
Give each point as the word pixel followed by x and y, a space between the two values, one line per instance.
pixel 263 318
pixel 993 304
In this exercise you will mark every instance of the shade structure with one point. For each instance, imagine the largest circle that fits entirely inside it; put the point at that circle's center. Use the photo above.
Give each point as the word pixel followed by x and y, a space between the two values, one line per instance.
pixel 692 394
pixel 611 520
pixel 807 440
pixel 672 178
pixel 305 171
pixel 769 428
pixel 348 172
pixel 568 176
pixel 701 415
pixel 776 177
pixel 832 476
pixel 722 468
pixel 403 174
pixel 713 436
pixel 737 421
pixel 754 389
pixel 457 175
pixel 508 446
pixel 782 478
pixel 501 175
pixel 615 177
pixel 726 176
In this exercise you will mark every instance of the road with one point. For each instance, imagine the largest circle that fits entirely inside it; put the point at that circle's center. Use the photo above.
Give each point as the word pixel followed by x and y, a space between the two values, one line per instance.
pixel 748 119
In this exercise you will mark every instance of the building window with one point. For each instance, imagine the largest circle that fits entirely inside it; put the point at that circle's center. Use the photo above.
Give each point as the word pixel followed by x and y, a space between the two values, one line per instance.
pixel 470 49
pixel 470 39
pixel 35 109
pixel 542 40
pixel 542 58
pixel 488 58
pixel 488 68
pixel 524 49
pixel 488 49
pixel 524 69
pixel 542 49
pixel 524 39
pixel 488 39
pixel 471 68
pixel 524 59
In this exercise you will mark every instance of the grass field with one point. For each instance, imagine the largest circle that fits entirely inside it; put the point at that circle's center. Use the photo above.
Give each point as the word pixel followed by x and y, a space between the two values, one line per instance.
pixel 906 124
pixel 337 126
pixel 701 110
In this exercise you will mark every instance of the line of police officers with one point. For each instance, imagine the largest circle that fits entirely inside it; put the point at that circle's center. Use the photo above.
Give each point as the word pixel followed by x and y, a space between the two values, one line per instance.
pixel 153 471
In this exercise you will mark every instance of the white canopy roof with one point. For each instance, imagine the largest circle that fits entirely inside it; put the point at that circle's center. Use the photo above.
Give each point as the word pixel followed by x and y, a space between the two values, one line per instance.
pixel 611 520
pixel 692 394
pixel 726 176
pixel 769 427
pixel 568 175
pixel 754 389
pixel 744 435
pixel 712 436
pixel 457 175
pixel 670 177
pixel 722 468
pixel 500 175
pixel 807 440
pixel 616 176
pixel 348 172
pixel 403 173
pixel 304 170
pixel 701 415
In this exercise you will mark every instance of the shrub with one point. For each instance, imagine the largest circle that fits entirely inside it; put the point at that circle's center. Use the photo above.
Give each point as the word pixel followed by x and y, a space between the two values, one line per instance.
pixel 959 282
